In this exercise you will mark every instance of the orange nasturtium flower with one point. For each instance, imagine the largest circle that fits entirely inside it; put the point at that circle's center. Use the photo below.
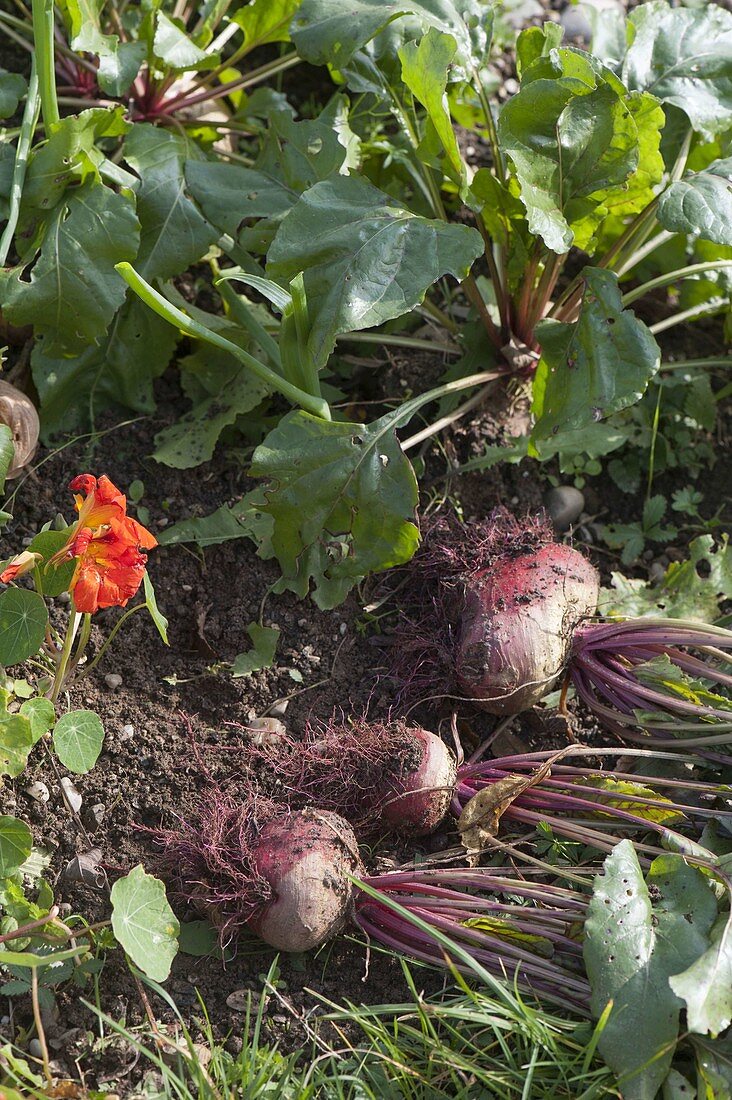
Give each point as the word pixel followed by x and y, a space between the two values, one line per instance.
pixel 20 564
pixel 108 544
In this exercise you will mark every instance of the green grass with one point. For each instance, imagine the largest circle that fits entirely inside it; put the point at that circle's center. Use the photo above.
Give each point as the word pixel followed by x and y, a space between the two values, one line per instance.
pixel 466 1045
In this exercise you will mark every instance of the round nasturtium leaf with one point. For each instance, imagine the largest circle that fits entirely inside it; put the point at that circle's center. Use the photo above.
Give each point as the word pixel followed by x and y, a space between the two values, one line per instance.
pixel 16 842
pixel 23 621
pixel 144 924
pixel 77 738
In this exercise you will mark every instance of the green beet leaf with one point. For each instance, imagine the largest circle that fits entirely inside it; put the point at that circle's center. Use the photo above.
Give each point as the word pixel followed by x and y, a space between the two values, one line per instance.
pixel 77 739
pixel 295 155
pixel 570 144
pixel 174 234
pixel 23 621
pixel 16 742
pixel 119 371
pixel 144 924
pixel 364 257
pixel 74 291
pixel 706 986
pixel 425 71
pixel 329 32
pixel 12 89
pixel 265 21
pixel 632 947
pixel 683 56
pixel 700 203
pixel 119 63
pixel 245 519
pixel 16 841
pixel 261 655
pixel 343 499
pixel 595 367
pixel 176 49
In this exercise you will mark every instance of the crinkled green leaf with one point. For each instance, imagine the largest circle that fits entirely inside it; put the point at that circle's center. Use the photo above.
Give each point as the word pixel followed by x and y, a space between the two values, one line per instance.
pixel 173 232
pixel 700 203
pixel 77 739
pixel 329 32
pixel 294 156
pixel 245 519
pixel 69 155
pixel 23 621
pixel 632 946
pixel 504 217
pixel 261 655
pixel 119 372
pixel 535 42
pixel 685 592
pixel 73 291
pixel 119 62
pixel 570 143
pixel 16 742
pixel 176 48
pixel 600 364
pixel 425 70
pixel 12 89
pixel 265 21
pixel 343 499
pixel 684 57
pixel 144 924
pixel 663 675
pixel 706 985
pixel 192 439
pixel 16 841
pixel 364 257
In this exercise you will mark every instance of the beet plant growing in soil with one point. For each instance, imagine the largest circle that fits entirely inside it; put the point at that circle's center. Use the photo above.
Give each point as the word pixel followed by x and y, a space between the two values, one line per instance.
pixel 496 786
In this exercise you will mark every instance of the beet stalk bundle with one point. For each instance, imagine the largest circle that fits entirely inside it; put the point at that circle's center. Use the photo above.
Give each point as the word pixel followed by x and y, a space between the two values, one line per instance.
pixel 506 619
pixel 662 675
pixel 391 777
pixel 292 878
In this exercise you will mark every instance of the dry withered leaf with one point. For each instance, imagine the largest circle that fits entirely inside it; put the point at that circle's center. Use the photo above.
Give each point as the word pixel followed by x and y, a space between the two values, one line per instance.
pixel 19 413
pixel 479 821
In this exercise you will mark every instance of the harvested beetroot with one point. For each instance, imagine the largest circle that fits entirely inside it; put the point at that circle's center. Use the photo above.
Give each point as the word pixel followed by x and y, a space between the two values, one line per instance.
pixel 517 622
pixel 306 858
pixel 248 863
pixel 490 608
pixel 378 775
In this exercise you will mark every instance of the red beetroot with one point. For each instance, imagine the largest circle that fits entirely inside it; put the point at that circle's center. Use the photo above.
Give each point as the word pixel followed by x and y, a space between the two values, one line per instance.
pixel 306 857
pixel 517 623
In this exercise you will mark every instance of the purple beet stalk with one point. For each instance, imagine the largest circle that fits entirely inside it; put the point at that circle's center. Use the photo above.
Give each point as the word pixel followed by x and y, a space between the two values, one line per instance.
pixel 608 667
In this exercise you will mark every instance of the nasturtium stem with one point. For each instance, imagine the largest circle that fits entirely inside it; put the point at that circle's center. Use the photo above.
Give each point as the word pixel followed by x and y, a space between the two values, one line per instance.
pixel 160 305
pixel 43 35
pixel 27 129
pixel 673 277
pixel 63 663
pixel 112 635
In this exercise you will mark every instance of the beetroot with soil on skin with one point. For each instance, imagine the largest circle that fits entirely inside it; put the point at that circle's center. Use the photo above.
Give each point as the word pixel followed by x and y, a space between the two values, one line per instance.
pixel 517 623
pixel 375 774
pixel 306 858
pixel 489 608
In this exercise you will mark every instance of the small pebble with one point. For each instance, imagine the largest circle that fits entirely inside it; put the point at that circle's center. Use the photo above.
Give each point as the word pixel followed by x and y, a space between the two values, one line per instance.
pixel 35 1048
pixel 657 572
pixel 39 791
pixel 65 597
pixel 85 868
pixel 94 815
pixel 163 522
pixel 564 504
pixel 279 708
pixel 343 628
pixel 113 680
pixel 127 732
pixel 576 24
pixel 71 794
pixel 266 731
